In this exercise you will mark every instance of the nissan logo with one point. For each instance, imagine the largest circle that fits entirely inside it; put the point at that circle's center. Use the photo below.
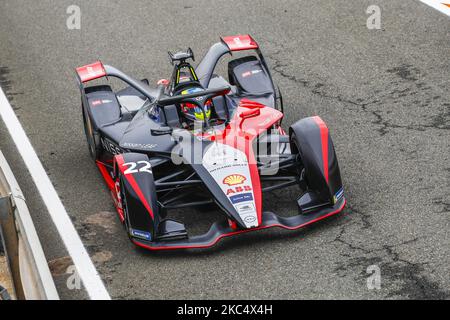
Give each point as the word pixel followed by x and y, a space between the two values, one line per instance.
pixel 249 219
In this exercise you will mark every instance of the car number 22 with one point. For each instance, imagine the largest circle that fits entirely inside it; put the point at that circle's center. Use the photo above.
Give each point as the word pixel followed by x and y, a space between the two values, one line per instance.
pixel 133 167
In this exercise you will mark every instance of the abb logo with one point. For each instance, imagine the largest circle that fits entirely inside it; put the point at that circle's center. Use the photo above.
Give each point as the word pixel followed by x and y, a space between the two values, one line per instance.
pixel 238 189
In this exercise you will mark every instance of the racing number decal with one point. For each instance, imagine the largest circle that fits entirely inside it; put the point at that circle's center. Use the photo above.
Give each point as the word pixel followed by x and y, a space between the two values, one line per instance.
pixel 132 167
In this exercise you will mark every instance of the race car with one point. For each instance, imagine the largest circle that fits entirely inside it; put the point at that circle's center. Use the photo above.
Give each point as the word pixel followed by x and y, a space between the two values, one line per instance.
pixel 198 139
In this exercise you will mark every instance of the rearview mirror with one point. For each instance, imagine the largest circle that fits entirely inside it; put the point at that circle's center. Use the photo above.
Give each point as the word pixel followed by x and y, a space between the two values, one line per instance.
pixel 249 113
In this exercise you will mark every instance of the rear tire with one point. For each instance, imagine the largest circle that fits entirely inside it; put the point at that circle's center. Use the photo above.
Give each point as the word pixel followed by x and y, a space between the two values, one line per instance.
pixel 89 132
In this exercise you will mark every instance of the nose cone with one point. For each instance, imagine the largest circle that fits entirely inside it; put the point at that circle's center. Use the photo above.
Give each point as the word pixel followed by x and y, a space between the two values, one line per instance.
pixel 229 169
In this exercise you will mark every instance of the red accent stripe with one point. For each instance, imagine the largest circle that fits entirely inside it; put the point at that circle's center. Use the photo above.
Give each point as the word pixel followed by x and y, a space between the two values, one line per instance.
pixel 240 134
pixel 247 103
pixel 105 173
pixel 111 186
pixel 212 243
pixel 324 137
pixel 133 183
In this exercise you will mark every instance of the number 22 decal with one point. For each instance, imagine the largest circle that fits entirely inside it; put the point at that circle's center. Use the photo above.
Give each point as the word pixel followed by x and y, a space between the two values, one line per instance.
pixel 132 167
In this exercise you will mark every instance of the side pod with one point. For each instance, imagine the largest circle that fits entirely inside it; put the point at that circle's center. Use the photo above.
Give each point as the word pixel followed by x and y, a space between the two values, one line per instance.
pixel 310 137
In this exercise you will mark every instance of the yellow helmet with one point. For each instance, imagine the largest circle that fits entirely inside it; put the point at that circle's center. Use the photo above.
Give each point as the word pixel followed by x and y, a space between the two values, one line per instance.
pixel 194 112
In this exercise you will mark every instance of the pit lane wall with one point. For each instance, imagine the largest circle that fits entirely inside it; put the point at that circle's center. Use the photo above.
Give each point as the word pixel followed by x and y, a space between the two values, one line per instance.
pixel 27 268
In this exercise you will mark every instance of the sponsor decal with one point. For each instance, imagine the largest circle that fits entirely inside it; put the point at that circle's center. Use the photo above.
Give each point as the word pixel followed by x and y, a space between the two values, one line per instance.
pixel 238 190
pixel 91 71
pixel 229 168
pixel 247 212
pixel 111 147
pixel 141 234
pixel 250 73
pixel 99 102
pixel 234 179
pixel 246 208
pixel 241 198
pixel 338 195
pixel 184 79
pixel 146 146
pixel 249 219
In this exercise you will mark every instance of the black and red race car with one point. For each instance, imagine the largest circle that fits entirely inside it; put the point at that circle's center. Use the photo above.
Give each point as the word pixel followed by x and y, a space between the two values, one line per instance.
pixel 198 139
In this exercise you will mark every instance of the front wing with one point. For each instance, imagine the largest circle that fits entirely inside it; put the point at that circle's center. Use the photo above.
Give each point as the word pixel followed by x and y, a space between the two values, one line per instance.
pixel 220 230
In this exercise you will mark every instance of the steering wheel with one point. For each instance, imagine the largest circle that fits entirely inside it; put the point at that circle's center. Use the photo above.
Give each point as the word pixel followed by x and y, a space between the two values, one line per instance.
pixel 199 98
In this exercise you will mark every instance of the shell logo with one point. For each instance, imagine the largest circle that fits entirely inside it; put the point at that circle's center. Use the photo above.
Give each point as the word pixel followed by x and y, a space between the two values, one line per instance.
pixel 234 179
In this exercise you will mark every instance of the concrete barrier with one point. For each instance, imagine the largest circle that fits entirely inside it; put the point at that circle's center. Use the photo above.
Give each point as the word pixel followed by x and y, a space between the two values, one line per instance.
pixel 28 266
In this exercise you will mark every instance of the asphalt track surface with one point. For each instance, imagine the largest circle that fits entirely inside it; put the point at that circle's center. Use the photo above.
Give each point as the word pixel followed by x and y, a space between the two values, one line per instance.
pixel 383 93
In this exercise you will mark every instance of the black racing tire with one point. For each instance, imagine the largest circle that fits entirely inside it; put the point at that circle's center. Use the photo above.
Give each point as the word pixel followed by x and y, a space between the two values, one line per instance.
pixel 126 221
pixel 295 149
pixel 306 139
pixel 94 151
pixel 280 106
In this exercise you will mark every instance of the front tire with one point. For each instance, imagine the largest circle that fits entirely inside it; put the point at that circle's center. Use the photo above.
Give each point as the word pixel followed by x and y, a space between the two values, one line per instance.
pixel 310 138
pixel 295 150
pixel 123 200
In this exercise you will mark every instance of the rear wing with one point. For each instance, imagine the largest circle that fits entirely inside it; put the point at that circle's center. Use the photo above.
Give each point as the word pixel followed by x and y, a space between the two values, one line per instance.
pixel 91 72
pixel 240 42
pixel 98 70
pixel 228 44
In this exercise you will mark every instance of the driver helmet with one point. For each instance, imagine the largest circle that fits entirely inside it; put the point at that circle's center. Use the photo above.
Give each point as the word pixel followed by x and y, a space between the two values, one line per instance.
pixel 194 112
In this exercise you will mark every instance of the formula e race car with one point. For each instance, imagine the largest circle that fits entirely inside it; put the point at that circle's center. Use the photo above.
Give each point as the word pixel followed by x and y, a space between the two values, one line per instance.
pixel 197 139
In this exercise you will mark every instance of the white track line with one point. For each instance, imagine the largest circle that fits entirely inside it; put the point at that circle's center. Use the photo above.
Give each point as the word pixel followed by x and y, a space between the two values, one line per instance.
pixel 83 263
pixel 439 5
